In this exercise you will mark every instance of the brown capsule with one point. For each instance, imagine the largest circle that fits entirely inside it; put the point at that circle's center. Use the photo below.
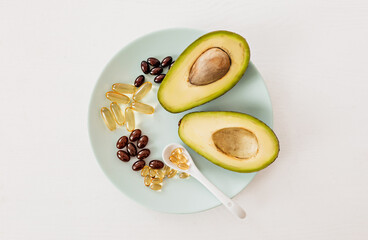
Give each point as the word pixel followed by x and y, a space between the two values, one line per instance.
pixel 166 61
pixel 153 62
pixel 142 142
pixel 156 71
pixel 132 150
pixel 159 78
pixel 122 142
pixel 138 165
pixel 123 156
pixel 171 64
pixel 144 153
pixel 144 66
pixel 156 164
pixel 139 81
pixel 135 135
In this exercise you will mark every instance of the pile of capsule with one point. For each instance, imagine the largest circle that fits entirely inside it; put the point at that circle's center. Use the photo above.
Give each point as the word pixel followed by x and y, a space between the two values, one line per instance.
pixel 156 170
pixel 117 96
pixel 153 178
pixel 179 159
pixel 157 69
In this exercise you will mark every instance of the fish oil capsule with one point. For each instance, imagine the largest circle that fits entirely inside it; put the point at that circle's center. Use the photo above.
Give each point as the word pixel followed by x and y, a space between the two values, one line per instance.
pixel 166 170
pixel 152 172
pixel 177 151
pixel 147 180
pixel 142 91
pixel 156 181
pixel 181 158
pixel 130 120
pixel 172 173
pixel 117 97
pixel 124 88
pixel 173 159
pixel 108 118
pixel 183 175
pixel 142 108
pixel 156 187
pixel 118 114
pixel 160 174
pixel 183 166
pixel 145 171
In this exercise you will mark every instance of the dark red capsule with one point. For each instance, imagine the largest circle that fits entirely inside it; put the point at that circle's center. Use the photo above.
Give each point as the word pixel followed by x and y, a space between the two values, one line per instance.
pixel 135 135
pixel 166 61
pixel 123 156
pixel 156 71
pixel 144 153
pixel 159 78
pixel 138 165
pixel 145 68
pixel 139 81
pixel 142 142
pixel 153 62
pixel 122 142
pixel 132 150
pixel 156 164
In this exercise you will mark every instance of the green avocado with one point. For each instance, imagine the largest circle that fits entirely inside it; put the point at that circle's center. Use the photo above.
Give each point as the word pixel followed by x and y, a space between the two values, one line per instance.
pixel 232 140
pixel 208 68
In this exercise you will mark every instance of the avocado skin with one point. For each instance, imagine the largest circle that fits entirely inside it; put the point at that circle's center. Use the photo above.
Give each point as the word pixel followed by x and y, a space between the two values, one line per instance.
pixel 220 92
pixel 223 165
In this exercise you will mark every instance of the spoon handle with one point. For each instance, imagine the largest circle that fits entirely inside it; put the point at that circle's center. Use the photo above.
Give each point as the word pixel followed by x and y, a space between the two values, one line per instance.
pixel 232 206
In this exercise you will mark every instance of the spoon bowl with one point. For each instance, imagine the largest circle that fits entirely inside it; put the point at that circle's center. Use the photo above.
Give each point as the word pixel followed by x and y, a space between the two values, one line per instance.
pixel 232 206
pixel 166 153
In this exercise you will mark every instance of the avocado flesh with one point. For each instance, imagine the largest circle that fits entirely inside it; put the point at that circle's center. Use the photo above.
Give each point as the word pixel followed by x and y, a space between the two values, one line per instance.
pixel 232 140
pixel 206 69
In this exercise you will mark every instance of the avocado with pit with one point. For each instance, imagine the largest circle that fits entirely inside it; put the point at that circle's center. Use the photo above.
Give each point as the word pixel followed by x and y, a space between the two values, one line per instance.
pixel 232 140
pixel 208 68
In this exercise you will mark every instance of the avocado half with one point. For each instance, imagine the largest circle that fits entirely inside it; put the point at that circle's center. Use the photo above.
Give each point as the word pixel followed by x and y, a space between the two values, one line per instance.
pixel 208 68
pixel 232 140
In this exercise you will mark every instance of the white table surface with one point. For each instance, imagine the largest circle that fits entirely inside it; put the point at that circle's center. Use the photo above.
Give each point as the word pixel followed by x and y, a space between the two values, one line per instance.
pixel 312 55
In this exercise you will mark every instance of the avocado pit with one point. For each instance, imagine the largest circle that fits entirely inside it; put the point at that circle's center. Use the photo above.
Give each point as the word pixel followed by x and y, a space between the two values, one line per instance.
pixel 236 142
pixel 210 66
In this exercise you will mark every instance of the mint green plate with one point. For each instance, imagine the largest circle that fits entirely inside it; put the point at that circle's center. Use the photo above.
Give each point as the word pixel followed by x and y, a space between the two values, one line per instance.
pixel 178 195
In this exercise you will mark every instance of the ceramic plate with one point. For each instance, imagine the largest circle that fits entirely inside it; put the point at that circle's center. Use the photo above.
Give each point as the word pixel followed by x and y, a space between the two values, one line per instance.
pixel 178 195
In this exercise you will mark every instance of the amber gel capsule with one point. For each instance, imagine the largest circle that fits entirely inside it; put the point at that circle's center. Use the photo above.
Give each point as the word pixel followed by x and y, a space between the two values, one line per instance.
pixel 143 108
pixel 156 186
pixel 117 97
pixel 183 166
pixel 142 91
pixel 160 174
pixel 156 180
pixel 147 180
pixel 172 173
pixel 124 88
pixel 118 114
pixel 130 120
pixel 183 175
pixel 108 118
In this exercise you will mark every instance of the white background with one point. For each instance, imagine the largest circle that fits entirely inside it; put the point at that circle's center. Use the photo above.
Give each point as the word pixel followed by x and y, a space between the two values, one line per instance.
pixel 312 55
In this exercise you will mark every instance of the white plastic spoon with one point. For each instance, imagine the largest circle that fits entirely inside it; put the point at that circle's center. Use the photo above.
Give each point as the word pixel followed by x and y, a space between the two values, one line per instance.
pixel 232 206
